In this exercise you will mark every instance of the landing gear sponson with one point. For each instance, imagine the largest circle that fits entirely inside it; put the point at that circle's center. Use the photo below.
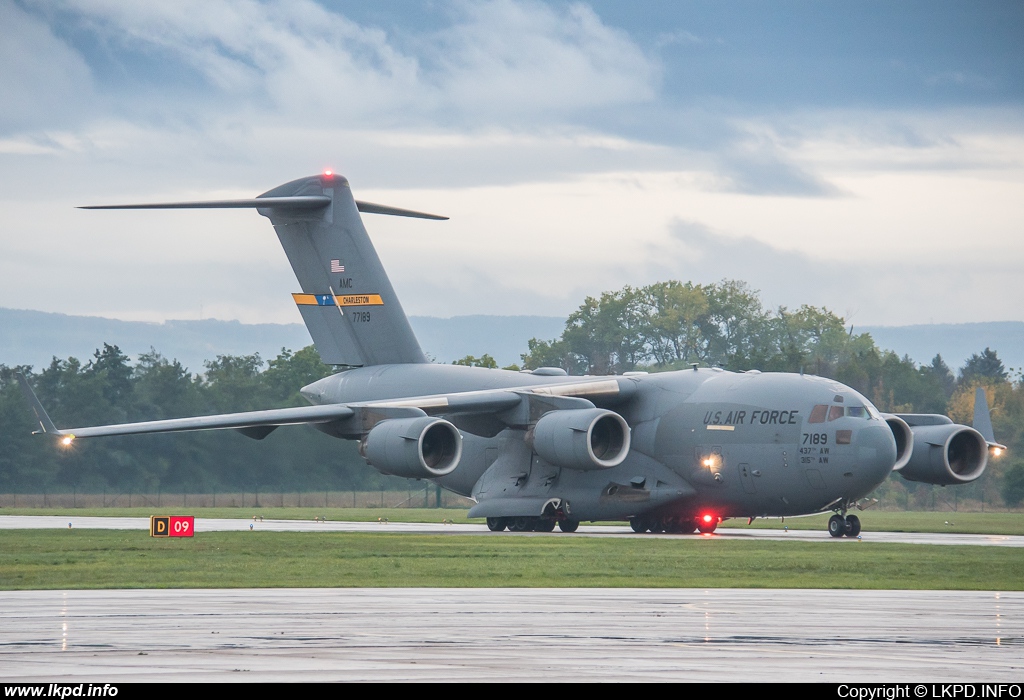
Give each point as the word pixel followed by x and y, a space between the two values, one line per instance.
pixel 676 525
pixel 531 524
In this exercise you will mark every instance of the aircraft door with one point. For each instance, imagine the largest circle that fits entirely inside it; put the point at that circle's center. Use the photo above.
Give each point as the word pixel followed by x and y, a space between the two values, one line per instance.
pixel 747 477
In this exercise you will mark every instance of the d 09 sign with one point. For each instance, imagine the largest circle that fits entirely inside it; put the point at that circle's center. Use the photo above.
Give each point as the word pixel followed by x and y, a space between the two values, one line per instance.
pixel 172 526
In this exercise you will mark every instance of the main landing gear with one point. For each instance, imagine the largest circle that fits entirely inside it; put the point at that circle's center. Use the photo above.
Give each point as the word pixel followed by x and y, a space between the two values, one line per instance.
pixel 526 524
pixel 840 526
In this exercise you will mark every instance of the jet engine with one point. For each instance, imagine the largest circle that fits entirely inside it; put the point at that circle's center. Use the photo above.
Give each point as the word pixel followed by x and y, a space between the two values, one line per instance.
pixel 904 437
pixel 582 438
pixel 946 454
pixel 415 448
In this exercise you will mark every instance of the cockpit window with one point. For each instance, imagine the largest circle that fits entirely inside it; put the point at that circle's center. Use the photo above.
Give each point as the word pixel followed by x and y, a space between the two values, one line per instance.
pixel 822 413
pixel 818 414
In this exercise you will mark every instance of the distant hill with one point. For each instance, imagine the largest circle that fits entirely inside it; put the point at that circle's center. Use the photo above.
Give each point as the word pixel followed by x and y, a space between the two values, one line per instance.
pixel 34 337
pixel 954 341
pixel 502 337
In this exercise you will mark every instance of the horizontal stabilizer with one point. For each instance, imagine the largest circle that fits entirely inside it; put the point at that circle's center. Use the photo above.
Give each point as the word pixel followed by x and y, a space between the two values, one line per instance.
pixel 371 208
pixel 306 202
pixel 297 202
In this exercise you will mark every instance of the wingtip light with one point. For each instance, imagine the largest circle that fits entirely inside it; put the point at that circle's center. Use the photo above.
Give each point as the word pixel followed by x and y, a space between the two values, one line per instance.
pixel 67 440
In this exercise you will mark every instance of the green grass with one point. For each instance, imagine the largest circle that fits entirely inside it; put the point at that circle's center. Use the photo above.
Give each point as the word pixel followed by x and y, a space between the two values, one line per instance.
pixel 74 559
pixel 396 515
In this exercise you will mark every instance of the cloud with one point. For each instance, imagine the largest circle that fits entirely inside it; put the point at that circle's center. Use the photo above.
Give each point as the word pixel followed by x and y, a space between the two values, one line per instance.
pixel 496 61
pixel 564 155
pixel 44 82
pixel 897 288
pixel 506 58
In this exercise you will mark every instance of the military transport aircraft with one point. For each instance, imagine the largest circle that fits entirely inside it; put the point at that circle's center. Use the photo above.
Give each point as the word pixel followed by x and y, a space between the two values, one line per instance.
pixel 670 452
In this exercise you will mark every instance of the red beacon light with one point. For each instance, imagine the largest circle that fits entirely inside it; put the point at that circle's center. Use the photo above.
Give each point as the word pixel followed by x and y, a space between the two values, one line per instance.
pixel 328 173
pixel 707 523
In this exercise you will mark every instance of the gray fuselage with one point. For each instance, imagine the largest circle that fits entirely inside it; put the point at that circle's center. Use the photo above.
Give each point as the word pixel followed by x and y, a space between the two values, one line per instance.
pixel 702 441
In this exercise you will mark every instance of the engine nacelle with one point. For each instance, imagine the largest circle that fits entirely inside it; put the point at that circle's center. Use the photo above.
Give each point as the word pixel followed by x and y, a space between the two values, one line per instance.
pixel 416 448
pixel 582 438
pixel 904 437
pixel 946 454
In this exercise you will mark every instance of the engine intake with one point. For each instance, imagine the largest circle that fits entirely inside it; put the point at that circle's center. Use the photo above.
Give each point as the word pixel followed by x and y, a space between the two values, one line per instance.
pixel 583 438
pixel 946 454
pixel 904 437
pixel 415 448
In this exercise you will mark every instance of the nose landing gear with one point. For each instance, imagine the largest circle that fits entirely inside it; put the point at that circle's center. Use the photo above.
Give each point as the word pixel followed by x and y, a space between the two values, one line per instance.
pixel 844 526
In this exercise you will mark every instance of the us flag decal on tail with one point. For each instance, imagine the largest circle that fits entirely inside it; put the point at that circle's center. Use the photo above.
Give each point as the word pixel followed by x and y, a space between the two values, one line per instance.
pixel 336 266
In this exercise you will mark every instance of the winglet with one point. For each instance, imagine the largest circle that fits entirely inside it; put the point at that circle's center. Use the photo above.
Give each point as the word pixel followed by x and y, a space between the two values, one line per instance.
pixel 983 420
pixel 45 424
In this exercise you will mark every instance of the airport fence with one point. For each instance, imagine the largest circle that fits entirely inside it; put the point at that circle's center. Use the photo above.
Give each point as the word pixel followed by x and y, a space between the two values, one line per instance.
pixel 420 498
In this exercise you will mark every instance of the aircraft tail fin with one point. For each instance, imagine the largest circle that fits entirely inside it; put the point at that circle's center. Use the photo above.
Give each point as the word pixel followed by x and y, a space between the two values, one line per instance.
pixel 346 299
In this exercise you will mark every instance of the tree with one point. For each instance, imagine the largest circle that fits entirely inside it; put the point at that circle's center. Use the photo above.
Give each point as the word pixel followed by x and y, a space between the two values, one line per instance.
pixel 287 373
pixel 735 325
pixel 116 372
pixel 608 335
pixel 234 380
pixel 551 353
pixel 484 360
pixel 1013 485
pixel 987 365
pixel 676 313
pixel 941 374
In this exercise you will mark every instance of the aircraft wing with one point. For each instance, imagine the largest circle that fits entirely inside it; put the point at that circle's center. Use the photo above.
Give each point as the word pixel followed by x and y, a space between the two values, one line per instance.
pixel 353 418
pixel 493 400
pixel 252 423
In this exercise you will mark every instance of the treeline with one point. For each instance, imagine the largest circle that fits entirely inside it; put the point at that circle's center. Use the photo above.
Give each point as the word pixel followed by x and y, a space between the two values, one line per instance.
pixel 664 326
pixel 671 325
pixel 110 389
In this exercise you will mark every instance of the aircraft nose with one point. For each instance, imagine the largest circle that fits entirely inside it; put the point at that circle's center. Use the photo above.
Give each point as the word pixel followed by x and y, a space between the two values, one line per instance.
pixel 876 451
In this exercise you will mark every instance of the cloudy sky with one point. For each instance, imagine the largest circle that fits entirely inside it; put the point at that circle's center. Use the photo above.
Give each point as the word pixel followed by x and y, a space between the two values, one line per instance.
pixel 868 156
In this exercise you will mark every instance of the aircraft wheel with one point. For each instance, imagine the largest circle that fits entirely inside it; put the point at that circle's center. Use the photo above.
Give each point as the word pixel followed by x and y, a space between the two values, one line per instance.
pixel 568 525
pixel 687 526
pixel 520 525
pixel 681 526
pixel 543 525
pixel 837 525
pixel 706 528
pixel 638 525
pixel 496 524
pixel 852 526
